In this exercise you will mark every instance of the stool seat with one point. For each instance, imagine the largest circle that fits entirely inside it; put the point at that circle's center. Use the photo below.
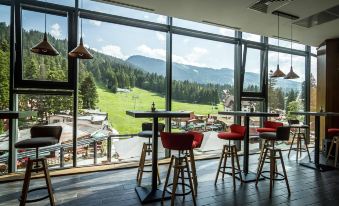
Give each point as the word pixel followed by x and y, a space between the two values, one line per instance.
pixel 268 135
pixel 230 136
pixel 36 142
pixel 147 134
pixel 301 126
pixel 333 132
pixel 261 130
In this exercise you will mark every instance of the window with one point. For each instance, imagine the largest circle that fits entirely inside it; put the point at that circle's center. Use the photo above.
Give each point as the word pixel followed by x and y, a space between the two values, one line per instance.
pixel 203 27
pixel 287 44
pixel 251 37
pixel 4 80
pixel 252 77
pixel 110 8
pixel 314 50
pixel 313 92
pixel 61 2
pixel 203 73
pixel 128 73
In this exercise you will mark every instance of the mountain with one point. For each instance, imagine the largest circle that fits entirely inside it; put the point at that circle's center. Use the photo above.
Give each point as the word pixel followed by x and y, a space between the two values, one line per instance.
pixel 203 75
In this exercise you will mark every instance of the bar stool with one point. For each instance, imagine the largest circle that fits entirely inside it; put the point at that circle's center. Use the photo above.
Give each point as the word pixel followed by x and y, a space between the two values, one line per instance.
pixel 282 134
pixel 334 133
pixel 179 142
pixel 147 148
pixel 41 136
pixel 237 133
pixel 300 136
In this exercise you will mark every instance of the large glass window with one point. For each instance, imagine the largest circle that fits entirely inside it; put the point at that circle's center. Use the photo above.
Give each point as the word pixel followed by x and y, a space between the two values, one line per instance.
pixel 313 92
pixel 41 67
pixel 110 8
pixel 61 2
pixel 287 44
pixel 203 78
pixel 251 37
pixel 127 73
pixel 4 83
pixel 252 76
pixel 203 27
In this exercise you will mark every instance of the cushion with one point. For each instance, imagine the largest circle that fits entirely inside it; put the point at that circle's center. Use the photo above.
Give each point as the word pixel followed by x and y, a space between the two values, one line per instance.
pixel 147 134
pixel 36 142
pixel 268 135
pixel 198 138
pixel 333 132
pixel 230 136
pixel 261 130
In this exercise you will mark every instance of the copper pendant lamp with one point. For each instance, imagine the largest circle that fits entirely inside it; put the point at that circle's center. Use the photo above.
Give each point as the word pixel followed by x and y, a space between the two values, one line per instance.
pixel 291 74
pixel 80 51
pixel 44 47
pixel 278 73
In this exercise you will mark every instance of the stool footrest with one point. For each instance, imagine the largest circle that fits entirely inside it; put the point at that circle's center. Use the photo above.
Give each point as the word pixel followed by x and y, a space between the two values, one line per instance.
pixel 37 199
pixel 275 173
pixel 180 194
pixel 229 173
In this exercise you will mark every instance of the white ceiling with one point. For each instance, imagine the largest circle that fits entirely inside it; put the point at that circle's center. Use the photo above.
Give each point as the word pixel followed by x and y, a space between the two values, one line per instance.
pixel 236 13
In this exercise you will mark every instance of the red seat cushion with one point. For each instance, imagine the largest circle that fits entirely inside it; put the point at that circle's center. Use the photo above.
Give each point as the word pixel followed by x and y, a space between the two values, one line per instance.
pixel 333 132
pixel 230 136
pixel 198 138
pixel 261 130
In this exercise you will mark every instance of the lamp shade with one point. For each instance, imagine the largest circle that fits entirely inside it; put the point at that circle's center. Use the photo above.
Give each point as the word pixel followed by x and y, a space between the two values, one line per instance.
pixel 80 52
pixel 44 48
pixel 291 75
pixel 278 73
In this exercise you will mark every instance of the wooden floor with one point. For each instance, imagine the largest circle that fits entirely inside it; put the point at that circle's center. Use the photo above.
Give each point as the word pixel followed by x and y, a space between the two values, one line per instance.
pixel 117 188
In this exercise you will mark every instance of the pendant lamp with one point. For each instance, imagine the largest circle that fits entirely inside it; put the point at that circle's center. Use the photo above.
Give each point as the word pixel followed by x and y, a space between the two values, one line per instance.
pixel 80 51
pixel 291 74
pixel 278 72
pixel 44 47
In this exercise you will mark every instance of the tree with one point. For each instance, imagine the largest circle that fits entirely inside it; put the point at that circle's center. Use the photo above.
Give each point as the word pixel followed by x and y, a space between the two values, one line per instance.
pixel 88 93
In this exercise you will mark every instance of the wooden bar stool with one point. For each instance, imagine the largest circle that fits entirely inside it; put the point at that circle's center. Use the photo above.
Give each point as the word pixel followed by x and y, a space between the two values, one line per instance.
pixel 237 133
pixel 179 142
pixel 334 133
pixel 299 133
pixel 147 149
pixel 282 134
pixel 41 136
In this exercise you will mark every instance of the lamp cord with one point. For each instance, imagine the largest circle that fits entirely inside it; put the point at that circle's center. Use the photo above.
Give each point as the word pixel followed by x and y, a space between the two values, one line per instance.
pixel 291 43
pixel 81 20
pixel 278 37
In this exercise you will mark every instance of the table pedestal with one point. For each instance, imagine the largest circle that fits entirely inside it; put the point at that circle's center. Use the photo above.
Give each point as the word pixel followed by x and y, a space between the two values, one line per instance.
pixel 147 195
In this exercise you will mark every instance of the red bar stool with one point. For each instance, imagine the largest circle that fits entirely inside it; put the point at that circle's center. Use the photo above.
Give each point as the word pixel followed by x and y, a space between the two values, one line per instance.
pixel 180 142
pixel 237 133
pixel 197 141
pixel 334 133
pixel 147 148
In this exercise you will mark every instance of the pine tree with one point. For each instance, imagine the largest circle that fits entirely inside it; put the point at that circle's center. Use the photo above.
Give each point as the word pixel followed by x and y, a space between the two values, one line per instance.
pixel 88 92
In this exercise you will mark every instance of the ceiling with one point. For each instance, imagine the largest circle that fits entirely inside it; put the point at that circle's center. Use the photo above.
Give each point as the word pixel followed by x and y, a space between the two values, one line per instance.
pixel 236 13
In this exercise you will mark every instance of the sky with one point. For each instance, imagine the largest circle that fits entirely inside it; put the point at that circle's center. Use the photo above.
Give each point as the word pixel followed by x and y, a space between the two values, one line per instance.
pixel 124 41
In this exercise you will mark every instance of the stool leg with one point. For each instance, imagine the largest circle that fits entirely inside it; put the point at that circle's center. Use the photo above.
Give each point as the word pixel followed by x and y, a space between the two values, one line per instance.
pixel 141 164
pixel 261 166
pixel 261 153
pixel 284 170
pixel 308 152
pixel 226 151
pixel 159 180
pixel 25 186
pixel 298 147
pixel 272 169
pixel 167 177
pixel 48 182
pixel 190 182
pixel 194 171
pixel 182 175
pixel 336 152
pixel 233 171
pixel 329 151
pixel 175 181
pixel 289 151
pixel 237 158
pixel 220 162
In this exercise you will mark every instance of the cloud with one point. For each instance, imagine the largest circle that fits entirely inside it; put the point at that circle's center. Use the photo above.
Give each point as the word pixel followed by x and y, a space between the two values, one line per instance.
pixel 192 58
pixel 114 51
pixel 100 39
pixel 56 31
pixel 153 53
pixel 161 36
pixel 226 32
pixel 95 23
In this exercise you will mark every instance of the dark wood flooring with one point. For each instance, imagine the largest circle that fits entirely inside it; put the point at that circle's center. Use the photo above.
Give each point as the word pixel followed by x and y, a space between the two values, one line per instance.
pixel 115 188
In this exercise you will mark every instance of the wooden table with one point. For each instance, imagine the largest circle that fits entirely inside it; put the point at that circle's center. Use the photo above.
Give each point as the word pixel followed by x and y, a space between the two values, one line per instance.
pixel 316 164
pixel 153 194
pixel 9 115
pixel 248 176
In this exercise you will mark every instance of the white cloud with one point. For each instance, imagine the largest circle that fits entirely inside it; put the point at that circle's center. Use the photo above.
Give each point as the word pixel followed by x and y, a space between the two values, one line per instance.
pixel 153 53
pixel 160 36
pixel 226 32
pixel 95 23
pixel 114 51
pixel 161 19
pixel 56 31
pixel 192 58
pixel 100 39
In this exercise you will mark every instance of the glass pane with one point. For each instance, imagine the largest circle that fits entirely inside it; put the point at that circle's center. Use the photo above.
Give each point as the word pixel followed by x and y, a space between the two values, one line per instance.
pixel 106 7
pixel 61 2
pixel 286 95
pixel 313 97
pixel 314 50
pixel 252 77
pixel 203 73
pixel 251 37
pixel 4 83
pixel 128 69
pixel 203 27
pixel 42 67
pixel 51 111
pixel 287 44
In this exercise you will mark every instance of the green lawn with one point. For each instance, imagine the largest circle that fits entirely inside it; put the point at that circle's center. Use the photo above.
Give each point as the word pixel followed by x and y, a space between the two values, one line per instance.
pixel 117 104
